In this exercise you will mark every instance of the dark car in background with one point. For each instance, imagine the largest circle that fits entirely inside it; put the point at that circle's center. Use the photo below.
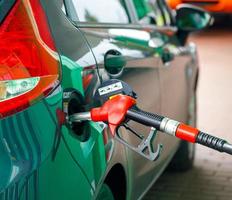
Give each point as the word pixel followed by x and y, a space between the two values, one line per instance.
pixel 53 56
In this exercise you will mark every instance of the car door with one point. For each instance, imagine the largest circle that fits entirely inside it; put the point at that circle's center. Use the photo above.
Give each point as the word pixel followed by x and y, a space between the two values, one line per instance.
pixel 109 25
pixel 175 69
pixel 152 14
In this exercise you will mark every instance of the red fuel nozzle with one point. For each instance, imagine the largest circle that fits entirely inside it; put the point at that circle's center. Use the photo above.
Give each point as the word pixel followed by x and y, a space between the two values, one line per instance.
pixel 113 111
pixel 119 108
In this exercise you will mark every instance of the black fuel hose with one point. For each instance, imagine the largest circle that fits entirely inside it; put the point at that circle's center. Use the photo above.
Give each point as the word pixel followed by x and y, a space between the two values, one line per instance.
pixel 179 130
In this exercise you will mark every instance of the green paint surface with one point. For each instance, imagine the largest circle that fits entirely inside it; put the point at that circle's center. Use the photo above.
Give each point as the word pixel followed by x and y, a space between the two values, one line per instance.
pixel 77 167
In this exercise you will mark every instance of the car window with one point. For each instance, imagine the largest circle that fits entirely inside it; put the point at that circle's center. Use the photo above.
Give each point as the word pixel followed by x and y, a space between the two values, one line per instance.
pixel 148 12
pixel 153 12
pixel 142 8
pixel 165 11
pixel 99 11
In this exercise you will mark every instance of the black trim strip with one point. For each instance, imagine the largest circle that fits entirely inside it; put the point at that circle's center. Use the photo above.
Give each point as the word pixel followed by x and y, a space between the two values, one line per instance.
pixel 16 191
pixel 9 140
pixel 14 134
pixel 26 141
pixel 33 135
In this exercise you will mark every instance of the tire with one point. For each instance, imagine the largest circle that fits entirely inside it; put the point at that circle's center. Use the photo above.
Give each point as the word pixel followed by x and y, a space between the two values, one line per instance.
pixel 184 158
pixel 105 193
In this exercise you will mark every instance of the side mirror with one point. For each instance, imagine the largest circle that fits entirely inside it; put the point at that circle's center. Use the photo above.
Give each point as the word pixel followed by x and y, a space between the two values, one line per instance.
pixel 191 18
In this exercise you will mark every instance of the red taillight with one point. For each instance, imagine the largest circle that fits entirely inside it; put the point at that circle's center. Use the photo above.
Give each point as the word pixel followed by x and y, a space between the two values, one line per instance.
pixel 29 64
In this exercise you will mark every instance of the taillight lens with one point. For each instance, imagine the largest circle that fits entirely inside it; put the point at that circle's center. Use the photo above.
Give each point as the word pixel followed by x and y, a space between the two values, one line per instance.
pixel 29 63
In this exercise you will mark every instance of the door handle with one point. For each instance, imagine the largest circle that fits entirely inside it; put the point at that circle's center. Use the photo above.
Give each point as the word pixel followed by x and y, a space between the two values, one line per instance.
pixel 114 62
pixel 169 54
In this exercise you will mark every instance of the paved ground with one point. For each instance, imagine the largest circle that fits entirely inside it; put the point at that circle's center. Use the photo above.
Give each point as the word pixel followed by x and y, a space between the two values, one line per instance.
pixel 211 178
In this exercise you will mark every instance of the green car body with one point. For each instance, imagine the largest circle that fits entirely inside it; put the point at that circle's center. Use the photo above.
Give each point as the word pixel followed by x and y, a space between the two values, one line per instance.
pixel 41 159
pixel 49 181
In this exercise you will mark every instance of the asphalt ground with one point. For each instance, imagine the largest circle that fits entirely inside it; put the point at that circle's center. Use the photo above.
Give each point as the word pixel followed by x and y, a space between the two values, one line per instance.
pixel 211 176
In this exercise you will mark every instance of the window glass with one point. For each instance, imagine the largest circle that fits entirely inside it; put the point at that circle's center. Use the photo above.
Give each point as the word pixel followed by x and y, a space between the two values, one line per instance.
pixel 142 8
pixel 103 11
pixel 148 12
pixel 165 10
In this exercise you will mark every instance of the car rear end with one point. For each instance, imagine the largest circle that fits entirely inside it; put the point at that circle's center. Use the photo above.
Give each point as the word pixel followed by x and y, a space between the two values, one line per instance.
pixel 29 92
pixel 216 6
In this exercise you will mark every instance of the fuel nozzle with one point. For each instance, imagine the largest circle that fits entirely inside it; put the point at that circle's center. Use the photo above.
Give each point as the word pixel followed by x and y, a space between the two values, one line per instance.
pixel 115 98
pixel 112 112
pixel 119 106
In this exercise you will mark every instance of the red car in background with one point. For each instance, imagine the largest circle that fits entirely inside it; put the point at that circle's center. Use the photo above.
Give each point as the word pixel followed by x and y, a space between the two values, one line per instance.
pixel 216 6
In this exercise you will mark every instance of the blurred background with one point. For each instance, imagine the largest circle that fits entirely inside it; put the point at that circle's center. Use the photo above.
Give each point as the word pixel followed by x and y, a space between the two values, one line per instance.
pixel 211 177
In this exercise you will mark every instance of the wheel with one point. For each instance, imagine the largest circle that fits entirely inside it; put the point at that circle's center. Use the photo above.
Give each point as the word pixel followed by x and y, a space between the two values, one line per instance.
pixel 105 193
pixel 184 157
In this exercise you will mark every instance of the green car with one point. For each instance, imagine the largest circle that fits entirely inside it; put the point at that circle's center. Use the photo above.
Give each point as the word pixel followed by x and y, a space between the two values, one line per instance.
pixel 53 56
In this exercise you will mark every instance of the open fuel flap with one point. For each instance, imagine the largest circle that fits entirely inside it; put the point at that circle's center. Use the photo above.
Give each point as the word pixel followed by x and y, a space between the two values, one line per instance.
pixel 73 102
